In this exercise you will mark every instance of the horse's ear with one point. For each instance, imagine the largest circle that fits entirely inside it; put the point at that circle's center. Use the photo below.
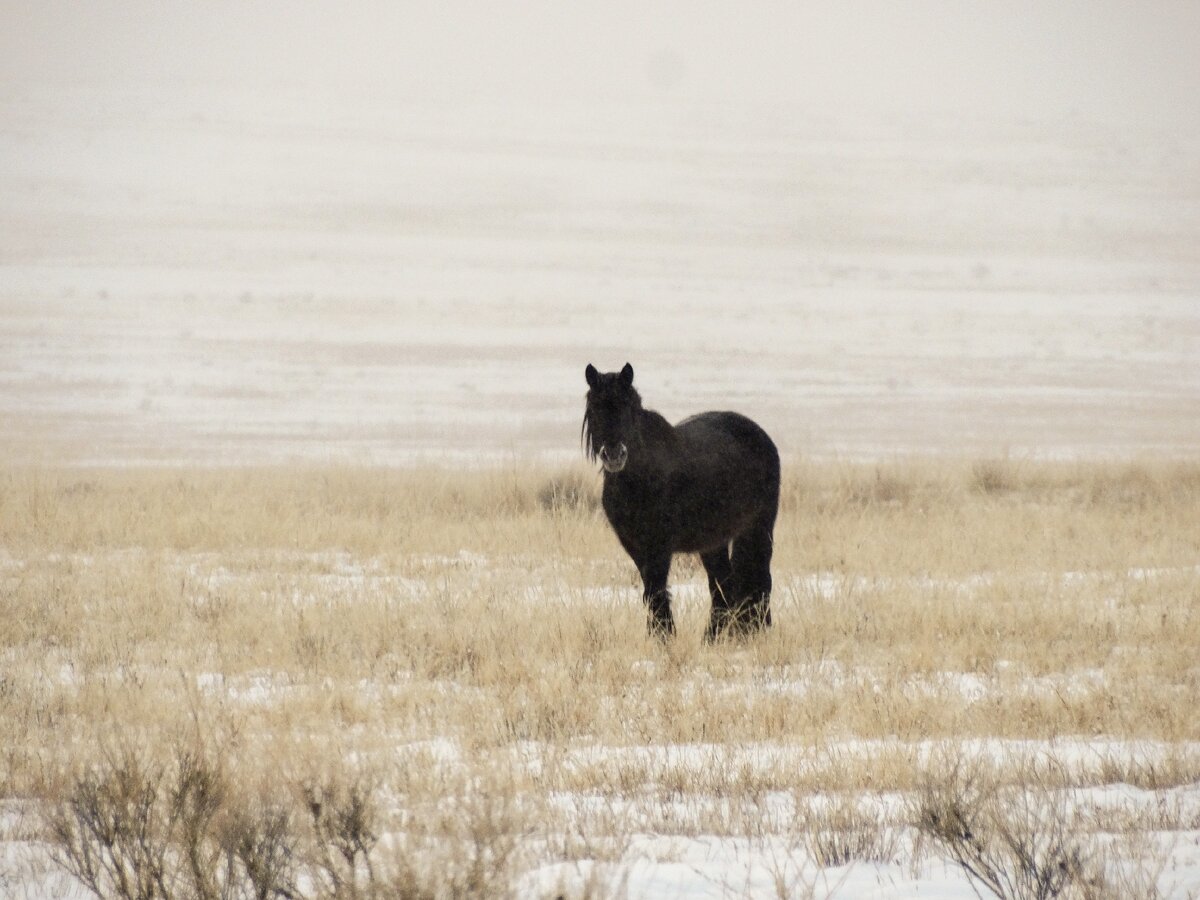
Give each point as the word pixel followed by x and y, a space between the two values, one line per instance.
pixel 627 375
pixel 591 375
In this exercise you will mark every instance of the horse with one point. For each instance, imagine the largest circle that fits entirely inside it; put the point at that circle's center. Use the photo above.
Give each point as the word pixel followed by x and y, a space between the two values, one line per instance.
pixel 707 485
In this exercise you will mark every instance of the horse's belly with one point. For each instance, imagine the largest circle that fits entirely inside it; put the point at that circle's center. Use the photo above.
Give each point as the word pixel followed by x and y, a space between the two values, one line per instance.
pixel 693 515
pixel 704 544
pixel 704 533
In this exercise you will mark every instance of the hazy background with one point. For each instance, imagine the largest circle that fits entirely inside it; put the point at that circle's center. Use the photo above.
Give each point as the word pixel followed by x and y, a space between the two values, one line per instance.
pixel 1121 62
pixel 380 232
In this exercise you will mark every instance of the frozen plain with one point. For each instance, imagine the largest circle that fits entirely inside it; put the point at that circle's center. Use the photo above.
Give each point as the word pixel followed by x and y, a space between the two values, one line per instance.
pixel 208 279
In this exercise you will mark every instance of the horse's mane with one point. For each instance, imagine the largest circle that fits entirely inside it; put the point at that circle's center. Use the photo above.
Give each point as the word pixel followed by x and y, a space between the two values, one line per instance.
pixel 658 430
pixel 585 437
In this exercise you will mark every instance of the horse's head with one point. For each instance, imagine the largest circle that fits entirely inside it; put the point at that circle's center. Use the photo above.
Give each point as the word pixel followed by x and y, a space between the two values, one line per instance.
pixel 608 421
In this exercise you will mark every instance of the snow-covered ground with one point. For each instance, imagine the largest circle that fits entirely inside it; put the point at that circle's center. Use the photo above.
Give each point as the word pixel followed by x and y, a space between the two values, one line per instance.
pixel 212 276
pixel 652 866
pixel 652 823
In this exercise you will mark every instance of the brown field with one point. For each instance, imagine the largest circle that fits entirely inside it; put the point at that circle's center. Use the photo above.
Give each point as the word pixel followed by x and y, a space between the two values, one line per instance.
pixel 468 652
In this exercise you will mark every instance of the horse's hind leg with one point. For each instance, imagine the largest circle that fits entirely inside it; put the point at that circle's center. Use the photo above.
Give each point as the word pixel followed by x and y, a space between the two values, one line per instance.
pixel 720 589
pixel 752 576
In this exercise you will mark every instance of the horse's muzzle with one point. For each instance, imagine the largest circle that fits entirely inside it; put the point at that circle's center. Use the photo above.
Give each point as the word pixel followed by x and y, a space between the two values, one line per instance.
pixel 615 460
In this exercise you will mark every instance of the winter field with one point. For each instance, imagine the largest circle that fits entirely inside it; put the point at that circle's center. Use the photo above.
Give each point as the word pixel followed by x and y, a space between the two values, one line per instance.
pixel 422 683
pixel 304 592
pixel 190 278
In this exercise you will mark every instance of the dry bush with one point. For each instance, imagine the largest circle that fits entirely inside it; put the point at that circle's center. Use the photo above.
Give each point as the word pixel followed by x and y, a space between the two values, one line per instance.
pixel 1024 840
pixel 570 491
pixel 1017 848
pixel 137 829
pixel 107 833
pixel 995 476
pixel 188 829
pixel 344 820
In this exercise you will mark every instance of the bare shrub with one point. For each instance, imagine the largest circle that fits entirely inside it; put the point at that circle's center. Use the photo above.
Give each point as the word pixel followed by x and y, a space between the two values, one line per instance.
pixel 995 476
pixel 136 829
pixel 198 796
pixel 343 819
pixel 108 832
pixel 571 491
pixel 1019 843
pixel 259 847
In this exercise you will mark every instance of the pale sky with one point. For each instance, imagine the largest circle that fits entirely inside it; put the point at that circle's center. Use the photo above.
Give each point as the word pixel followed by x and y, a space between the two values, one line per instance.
pixel 1100 59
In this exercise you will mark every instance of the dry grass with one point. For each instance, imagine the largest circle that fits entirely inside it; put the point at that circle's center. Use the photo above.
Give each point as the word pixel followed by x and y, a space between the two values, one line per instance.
pixel 433 632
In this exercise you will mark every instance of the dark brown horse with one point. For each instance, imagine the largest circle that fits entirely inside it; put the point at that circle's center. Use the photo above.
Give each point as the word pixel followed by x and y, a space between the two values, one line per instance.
pixel 709 485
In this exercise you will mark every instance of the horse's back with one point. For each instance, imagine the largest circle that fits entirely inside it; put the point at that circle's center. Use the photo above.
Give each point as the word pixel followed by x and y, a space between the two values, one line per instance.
pixel 729 431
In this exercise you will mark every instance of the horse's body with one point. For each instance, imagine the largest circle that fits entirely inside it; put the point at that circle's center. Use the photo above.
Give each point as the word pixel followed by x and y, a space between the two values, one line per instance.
pixel 709 485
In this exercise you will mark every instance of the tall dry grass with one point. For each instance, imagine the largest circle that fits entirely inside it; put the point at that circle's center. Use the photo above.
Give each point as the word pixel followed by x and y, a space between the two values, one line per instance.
pixel 434 631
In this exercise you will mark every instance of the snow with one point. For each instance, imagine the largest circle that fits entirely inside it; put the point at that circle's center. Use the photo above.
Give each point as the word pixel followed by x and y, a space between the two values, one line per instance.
pixel 677 836
pixel 706 869
pixel 198 276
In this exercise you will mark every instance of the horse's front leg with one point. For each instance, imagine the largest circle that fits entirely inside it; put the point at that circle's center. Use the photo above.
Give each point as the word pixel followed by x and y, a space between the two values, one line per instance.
pixel 655 572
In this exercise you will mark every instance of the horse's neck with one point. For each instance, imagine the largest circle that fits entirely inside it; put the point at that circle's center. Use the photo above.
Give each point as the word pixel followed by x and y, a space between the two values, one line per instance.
pixel 658 441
